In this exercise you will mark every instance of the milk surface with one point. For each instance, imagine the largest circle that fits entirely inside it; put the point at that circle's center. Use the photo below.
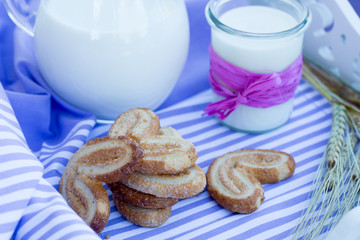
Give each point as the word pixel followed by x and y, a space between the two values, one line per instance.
pixel 258 55
pixel 106 56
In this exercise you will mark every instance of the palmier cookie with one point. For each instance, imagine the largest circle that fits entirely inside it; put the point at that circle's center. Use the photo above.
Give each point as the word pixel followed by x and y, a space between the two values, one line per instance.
pixel 166 155
pixel 137 123
pixel 169 132
pixel 267 166
pixel 139 199
pixel 232 187
pixel 142 216
pixel 90 201
pixel 110 160
pixel 101 159
pixel 181 185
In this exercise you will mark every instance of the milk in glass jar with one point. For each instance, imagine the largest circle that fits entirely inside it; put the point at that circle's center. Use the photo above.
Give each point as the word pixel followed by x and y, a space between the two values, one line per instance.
pixel 255 61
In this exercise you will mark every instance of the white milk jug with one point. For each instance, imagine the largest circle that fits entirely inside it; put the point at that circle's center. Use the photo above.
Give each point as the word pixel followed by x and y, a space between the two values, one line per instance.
pixel 106 56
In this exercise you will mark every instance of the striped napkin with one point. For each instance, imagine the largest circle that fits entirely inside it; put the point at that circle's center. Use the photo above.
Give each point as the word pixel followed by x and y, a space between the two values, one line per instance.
pixel 31 207
pixel 304 137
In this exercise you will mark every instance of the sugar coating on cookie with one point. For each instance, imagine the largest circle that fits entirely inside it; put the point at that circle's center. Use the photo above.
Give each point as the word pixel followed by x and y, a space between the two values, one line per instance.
pixel 142 216
pixel 166 155
pixel 137 123
pixel 233 188
pixel 139 199
pixel 99 160
pixel 234 179
pixel 267 166
pixel 182 185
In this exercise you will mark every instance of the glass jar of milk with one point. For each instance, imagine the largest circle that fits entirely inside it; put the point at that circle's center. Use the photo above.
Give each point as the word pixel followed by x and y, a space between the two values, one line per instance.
pixel 259 37
pixel 106 56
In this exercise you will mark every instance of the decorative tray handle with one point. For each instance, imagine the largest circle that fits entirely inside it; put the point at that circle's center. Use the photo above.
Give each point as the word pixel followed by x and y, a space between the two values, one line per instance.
pixel 332 40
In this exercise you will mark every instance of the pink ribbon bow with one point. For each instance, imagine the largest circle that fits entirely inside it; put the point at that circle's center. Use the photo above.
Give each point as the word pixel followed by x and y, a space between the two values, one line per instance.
pixel 239 86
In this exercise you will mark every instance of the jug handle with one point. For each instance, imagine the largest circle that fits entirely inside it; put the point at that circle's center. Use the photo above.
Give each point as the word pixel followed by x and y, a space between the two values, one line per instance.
pixel 22 13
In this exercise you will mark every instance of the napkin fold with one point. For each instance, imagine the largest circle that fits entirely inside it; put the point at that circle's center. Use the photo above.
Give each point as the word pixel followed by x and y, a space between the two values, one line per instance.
pixel 30 207
pixel 38 109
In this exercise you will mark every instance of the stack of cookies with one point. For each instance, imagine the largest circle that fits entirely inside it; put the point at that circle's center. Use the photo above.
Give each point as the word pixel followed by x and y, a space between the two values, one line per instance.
pixel 166 173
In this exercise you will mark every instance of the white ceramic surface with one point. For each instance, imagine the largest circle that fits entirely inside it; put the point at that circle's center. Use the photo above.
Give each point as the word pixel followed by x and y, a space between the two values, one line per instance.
pixel 108 56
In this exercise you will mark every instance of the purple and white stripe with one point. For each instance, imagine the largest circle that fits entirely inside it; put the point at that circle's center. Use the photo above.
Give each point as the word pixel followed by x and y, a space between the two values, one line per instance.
pixel 39 212
pixel 30 207
pixel 304 137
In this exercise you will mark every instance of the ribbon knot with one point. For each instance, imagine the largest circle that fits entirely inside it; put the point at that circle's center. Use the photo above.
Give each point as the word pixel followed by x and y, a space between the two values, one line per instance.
pixel 238 86
pixel 240 99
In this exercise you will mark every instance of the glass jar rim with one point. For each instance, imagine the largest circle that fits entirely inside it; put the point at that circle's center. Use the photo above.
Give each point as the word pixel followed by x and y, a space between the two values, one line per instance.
pixel 301 26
